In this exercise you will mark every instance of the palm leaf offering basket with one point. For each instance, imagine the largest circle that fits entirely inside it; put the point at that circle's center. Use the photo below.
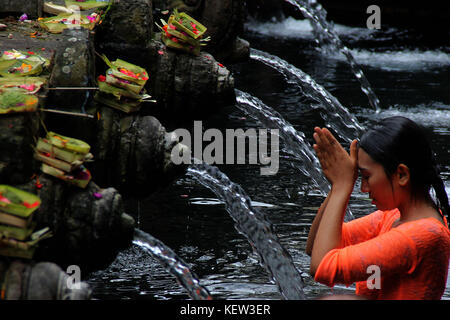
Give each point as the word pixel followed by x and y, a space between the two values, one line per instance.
pixel 27 85
pixel 13 101
pixel 67 143
pixel 17 238
pixel 63 158
pixel 18 202
pixel 63 21
pixel 126 71
pixel 14 54
pixel 182 32
pixel 186 23
pixel 123 86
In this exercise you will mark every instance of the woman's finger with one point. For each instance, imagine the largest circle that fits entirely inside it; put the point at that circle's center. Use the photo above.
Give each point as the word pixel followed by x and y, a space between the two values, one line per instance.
pixel 320 155
pixel 322 140
pixel 354 150
pixel 316 136
pixel 328 136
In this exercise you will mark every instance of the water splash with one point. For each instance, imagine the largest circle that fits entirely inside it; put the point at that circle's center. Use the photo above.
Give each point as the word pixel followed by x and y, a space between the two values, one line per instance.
pixel 255 227
pixel 291 28
pixel 336 115
pixel 303 157
pixel 175 265
pixel 324 33
pixel 293 141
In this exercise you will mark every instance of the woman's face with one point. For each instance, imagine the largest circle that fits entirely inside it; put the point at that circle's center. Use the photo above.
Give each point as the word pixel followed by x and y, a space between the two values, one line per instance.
pixel 375 182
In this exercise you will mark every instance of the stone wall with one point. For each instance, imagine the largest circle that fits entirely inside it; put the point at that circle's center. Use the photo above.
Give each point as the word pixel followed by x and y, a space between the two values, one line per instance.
pixel 33 8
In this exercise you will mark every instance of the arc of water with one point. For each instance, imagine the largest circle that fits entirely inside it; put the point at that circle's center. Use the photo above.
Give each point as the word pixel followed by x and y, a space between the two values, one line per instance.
pixel 336 115
pixel 255 227
pixel 316 15
pixel 174 264
pixel 293 140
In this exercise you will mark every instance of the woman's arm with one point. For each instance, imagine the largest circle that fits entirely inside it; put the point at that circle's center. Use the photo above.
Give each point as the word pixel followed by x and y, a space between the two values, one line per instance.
pixel 340 169
pixel 315 225
pixel 329 233
pixel 394 253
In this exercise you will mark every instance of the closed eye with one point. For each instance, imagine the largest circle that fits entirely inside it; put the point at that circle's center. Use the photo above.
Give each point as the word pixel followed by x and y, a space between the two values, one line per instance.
pixel 364 173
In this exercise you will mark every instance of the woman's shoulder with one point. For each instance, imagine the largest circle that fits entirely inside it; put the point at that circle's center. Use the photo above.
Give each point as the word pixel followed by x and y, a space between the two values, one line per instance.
pixel 426 230
pixel 382 214
pixel 385 214
pixel 385 218
pixel 376 219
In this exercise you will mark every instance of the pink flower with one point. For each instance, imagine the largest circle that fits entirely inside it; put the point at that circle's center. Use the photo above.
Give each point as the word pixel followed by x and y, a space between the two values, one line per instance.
pixel 4 199
pixel 23 17
pixel 97 195
pixel 30 87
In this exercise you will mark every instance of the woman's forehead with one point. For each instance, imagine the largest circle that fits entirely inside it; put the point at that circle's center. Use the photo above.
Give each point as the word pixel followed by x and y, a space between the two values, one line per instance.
pixel 364 160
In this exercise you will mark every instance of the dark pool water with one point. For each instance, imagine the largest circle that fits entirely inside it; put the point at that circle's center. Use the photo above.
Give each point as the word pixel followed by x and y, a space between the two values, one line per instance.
pixel 409 79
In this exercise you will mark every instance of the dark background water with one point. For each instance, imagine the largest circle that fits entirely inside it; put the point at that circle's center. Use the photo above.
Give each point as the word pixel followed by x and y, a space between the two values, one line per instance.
pixel 410 80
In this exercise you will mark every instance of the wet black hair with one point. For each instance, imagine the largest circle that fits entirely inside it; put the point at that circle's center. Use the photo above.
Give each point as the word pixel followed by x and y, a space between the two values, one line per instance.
pixel 397 140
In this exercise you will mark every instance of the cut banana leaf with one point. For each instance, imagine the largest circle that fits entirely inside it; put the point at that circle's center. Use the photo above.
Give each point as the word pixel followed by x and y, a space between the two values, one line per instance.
pixel 79 177
pixel 127 71
pixel 7 250
pixel 18 202
pixel 22 55
pixel 117 92
pixel 68 143
pixel 180 45
pixel 63 21
pixel 13 54
pixel 27 85
pixel 31 241
pixel 124 104
pixel 23 249
pixel 184 22
pixel 88 4
pixel 12 101
pixel 20 68
pixel 171 30
pixel 44 146
pixel 57 163
pixel 122 83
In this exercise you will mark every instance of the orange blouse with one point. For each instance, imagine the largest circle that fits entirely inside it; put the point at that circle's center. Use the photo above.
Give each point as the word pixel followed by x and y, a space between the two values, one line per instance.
pixel 411 259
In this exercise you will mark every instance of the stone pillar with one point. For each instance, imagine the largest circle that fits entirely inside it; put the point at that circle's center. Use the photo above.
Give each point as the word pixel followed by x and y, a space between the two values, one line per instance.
pixel 89 225
pixel 126 31
pixel 190 87
pixel 133 153
pixel 74 67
